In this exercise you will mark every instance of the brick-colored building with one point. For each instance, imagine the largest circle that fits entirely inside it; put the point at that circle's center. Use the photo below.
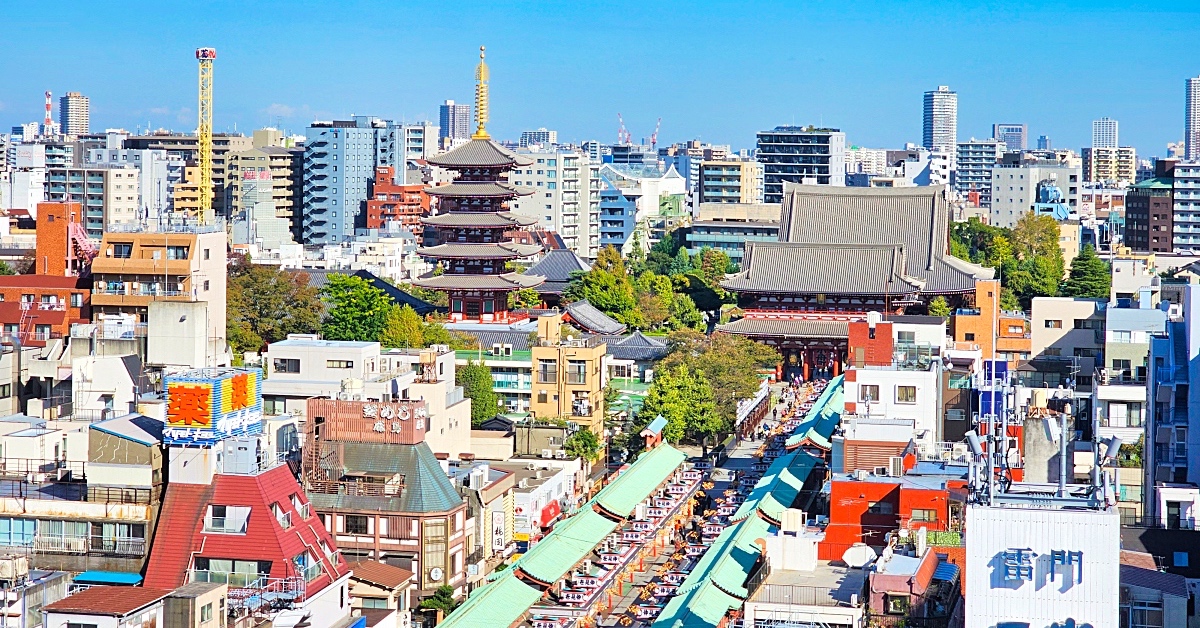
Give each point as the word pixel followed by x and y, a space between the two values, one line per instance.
pixel 978 325
pixel 866 508
pixel 391 202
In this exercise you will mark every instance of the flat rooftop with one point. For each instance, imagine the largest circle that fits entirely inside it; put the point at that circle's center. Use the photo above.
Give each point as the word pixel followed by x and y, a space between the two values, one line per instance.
pixel 826 585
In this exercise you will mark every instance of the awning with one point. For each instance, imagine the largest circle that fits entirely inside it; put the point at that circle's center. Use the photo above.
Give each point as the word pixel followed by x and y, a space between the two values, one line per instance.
pixel 116 578
pixel 946 572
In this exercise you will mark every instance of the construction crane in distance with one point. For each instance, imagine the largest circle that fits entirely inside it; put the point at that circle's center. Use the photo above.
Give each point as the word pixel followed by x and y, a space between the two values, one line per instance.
pixel 654 136
pixel 204 132
pixel 623 135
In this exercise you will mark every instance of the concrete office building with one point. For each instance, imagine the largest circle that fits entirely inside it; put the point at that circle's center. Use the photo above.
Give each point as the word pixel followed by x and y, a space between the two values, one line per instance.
pixel 729 226
pixel 340 158
pixel 542 136
pixel 108 194
pixel 566 197
pixel 687 156
pixel 729 182
pixel 1015 187
pixel 187 148
pixel 1104 133
pixel 1149 210
pixel 1110 165
pixel 975 159
pixel 1191 120
pixel 800 155
pixel 454 120
pixel 73 114
pixel 1044 143
pixel 1014 136
pixel 158 172
pixel 940 129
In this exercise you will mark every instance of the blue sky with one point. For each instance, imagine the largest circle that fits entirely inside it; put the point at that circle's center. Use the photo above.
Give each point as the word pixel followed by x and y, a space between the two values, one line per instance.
pixel 715 70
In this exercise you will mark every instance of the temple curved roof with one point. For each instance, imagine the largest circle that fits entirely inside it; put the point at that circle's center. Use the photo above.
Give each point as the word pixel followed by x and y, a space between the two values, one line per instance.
pixel 479 153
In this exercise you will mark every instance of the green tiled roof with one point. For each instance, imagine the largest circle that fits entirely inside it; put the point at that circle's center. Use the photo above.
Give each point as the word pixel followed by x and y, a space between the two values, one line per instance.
pixel 1164 183
pixel 704 607
pixel 647 472
pixel 426 487
pixel 500 603
pixel 823 417
pixel 570 542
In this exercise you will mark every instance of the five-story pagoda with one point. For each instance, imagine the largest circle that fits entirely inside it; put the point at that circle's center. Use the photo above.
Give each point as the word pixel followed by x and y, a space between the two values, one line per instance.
pixel 472 220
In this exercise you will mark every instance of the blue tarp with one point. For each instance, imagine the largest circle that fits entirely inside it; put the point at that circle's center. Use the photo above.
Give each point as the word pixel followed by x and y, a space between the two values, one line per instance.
pixel 118 578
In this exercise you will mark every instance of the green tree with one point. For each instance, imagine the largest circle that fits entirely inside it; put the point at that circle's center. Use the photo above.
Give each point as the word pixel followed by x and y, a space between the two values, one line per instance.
pixel 1090 276
pixel 730 363
pixel 1009 300
pixel 402 328
pixel 525 298
pixel 714 264
pixel 685 399
pixel 609 291
pixel 681 264
pixel 684 313
pixel 609 259
pixel 441 600
pixel 476 380
pixel 939 307
pixel 265 303
pixel 5 269
pixel 357 310
pixel 1036 235
pixel 434 297
pixel 583 444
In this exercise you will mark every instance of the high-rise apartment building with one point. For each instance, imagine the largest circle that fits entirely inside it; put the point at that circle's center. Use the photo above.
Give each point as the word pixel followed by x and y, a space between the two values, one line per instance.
pixel 1014 136
pixel 187 148
pixel 940 132
pixel 455 121
pixel 730 181
pixel 861 160
pixel 264 185
pixel 73 114
pixel 1104 133
pixel 541 136
pixel 1044 143
pixel 1111 165
pixel 340 158
pixel 566 195
pixel 976 158
pixel 800 155
pixel 1185 197
pixel 1191 120
pixel 158 172
pixel 108 194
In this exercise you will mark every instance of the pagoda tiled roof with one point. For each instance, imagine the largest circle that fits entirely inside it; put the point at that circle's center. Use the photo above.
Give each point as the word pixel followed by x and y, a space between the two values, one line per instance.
pixel 500 189
pixel 507 281
pixel 479 153
pixel 466 250
pixel 499 220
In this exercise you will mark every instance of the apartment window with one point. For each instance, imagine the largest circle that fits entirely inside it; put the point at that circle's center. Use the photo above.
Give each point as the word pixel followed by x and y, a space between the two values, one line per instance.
pixel 206 613
pixel 1087 323
pixel 123 251
pixel 906 337
pixel 373 602
pixel 906 394
pixel 286 365
pixel 969 336
pixel 1084 352
pixel 227 519
pixel 1122 336
pixel 897 604
pixel 26 298
pixel 576 372
pixel 880 508
pixel 339 364
pixel 1053 324
pixel 77 299
pixel 356 524
pixel 206 285
pixel 177 252
pixel 547 372
pixel 926 515
pixel 205 253
pixel 868 392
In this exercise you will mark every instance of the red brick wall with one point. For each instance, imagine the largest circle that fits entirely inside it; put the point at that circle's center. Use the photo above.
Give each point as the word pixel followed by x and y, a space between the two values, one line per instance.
pixel 863 349
pixel 52 222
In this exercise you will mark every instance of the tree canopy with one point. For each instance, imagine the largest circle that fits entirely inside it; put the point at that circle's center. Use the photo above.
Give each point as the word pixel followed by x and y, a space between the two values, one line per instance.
pixel 402 328
pixel 476 380
pixel 583 444
pixel 730 363
pixel 357 310
pixel 441 600
pixel 1090 276
pixel 684 398
pixel 1027 256
pixel 265 303
pixel 939 307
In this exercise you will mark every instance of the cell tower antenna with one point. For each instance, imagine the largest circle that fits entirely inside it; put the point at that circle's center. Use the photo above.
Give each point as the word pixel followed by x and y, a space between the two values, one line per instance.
pixel 204 132
pixel 48 122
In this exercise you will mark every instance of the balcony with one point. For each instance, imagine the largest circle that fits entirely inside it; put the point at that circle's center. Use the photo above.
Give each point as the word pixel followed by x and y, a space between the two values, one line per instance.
pixel 61 544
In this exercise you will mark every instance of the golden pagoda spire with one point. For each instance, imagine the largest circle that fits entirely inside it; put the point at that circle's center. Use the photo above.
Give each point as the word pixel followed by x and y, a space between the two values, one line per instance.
pixel 481 98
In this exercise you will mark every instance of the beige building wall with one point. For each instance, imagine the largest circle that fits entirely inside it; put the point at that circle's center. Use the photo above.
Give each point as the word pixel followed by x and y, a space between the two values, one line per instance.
pixel 568 376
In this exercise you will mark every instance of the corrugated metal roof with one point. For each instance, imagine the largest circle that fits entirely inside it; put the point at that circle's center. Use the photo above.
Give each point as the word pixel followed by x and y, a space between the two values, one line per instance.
pixel 946 572
pixel 497 604
pixel 426 486
pixel 573 541
pixel 823 417
pixel 1170 584
pixel 647 472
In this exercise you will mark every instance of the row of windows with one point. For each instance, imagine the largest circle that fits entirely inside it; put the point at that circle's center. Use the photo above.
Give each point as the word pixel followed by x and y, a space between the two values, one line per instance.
pixel 868 393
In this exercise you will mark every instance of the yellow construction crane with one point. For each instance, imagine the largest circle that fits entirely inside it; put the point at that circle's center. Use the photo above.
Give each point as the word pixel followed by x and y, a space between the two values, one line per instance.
pixel 206 56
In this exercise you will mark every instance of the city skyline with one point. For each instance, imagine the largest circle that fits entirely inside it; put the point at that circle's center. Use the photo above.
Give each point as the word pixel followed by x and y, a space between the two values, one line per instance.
pixel 290 69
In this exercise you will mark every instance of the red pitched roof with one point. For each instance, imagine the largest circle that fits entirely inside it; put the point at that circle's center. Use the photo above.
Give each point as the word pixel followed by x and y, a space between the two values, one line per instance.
pixel 181 534
pixel 102 600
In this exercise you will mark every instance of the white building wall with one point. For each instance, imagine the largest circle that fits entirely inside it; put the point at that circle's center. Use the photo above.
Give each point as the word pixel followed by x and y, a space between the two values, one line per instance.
pixel 923 413
pixel 1089 597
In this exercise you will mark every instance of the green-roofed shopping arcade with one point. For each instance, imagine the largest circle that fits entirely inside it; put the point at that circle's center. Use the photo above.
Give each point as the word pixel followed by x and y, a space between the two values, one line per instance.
pixel 508 599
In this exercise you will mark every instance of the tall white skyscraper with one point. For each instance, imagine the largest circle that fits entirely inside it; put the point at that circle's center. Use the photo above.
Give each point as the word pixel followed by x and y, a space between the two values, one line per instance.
pixel 1104 133
pixel 941 121
pixel 1191 120
pixel 73 114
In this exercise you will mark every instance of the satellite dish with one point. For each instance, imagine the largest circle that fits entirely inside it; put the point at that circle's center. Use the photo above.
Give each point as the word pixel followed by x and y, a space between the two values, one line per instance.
pixel 859 555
